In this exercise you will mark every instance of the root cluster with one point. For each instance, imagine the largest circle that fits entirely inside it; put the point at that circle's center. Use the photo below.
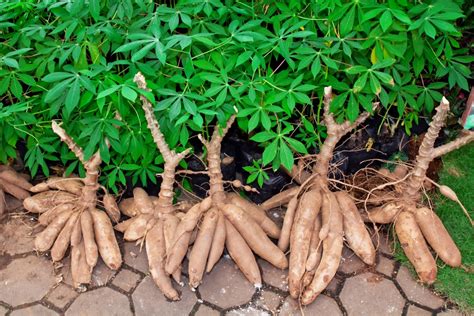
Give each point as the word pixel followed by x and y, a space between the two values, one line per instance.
pixel 68 210
pixel 12 183
pixel 396 197
pixel 222 220
pixel 317 220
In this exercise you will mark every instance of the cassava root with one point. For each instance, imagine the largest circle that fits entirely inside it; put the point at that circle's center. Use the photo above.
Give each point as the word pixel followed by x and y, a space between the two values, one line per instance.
pixel 417 226
pixel 224 220
pixel 14 184
pixel 67 209
pixel 317 219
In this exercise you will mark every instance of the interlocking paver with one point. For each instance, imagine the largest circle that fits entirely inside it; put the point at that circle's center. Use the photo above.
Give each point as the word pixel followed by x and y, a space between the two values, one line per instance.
pixel 126 280
pixel 249 310
pixel 102 301
pixel 350 263
pixel 274 276
pixel 416 292
pixel 385 266
pixel 416 311
pixel 148 299
pixel 21 231
pixel 101 274
pixel 269 300
pixel 205 310
pixel 323 305
pixel 3 310
pixel 61 296
pixel 31 276
pixel 134 257
pixel 226 286
pixel 370 294
pixel 35 310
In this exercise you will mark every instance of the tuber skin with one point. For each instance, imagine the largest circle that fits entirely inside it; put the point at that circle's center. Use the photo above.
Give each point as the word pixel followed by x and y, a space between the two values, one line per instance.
pixel 67 208
pixel 314 223
pixel 416 226
pixel 241 226
pixel 13 184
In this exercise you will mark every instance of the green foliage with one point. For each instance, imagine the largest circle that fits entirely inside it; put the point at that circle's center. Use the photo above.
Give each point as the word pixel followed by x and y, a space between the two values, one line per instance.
pixel 204 60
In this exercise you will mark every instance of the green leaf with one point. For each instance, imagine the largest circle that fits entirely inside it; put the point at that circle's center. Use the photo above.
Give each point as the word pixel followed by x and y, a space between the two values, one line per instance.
pixel 107 92
pixel 429 29
pixel 128 93
pixel 360 83
pixel 316 66
pixel 296 145
pixel 57 76
pixel 375 84
pixel 286 156
pixel 10 62
pixel 352 108
pixel 386 20
pixel 270 152
pixel 73 96
pixel 263 137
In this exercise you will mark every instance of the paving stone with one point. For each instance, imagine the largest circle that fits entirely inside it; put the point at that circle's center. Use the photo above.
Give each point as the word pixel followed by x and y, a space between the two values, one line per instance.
pixel 450 312
pixel 20 230
pixel 3 310
pixel 101 274
pixel 370 294
pixel 226 286
pixel 323 305
pixel 31 276
pixel 61 296
pixel 148 299
pixel 416 311
pixel 274 276
pixel 269 300
pixel 126 280
pixel 416 292
pixel 250 311
pixel 134 257
pixel 35 310
pixel 205 310
pixel 385 266
pixel 350 263
pixel 102 301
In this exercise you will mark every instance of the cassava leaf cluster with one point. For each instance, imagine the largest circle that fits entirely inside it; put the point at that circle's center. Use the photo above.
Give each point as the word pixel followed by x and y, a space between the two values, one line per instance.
pixel 267 60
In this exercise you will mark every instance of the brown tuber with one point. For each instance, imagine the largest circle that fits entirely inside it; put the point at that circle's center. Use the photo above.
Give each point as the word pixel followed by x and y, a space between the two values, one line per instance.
pixel 68 210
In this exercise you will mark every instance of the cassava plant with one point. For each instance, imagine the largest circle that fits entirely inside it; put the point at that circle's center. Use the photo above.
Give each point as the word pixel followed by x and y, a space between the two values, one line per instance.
pixel 398 200
pixel 224 220
pixel 154 221
pixel 317 219
pixel 68 210
pixel 12 183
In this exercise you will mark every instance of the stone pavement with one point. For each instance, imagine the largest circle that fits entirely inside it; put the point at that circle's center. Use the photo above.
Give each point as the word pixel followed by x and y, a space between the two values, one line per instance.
pixel 30 285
